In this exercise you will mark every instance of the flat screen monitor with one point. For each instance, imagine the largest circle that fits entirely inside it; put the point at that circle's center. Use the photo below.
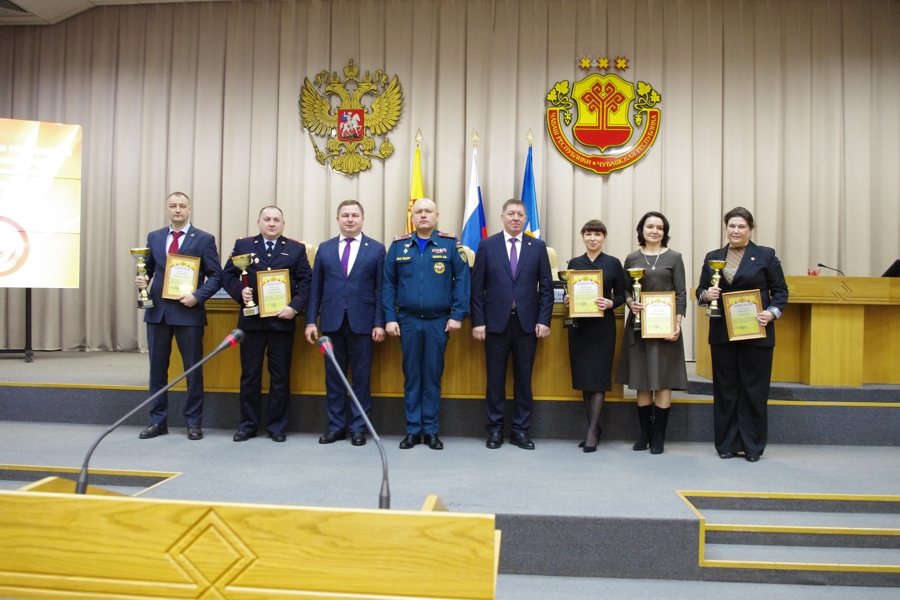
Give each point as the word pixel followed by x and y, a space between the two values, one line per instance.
pixel 40 204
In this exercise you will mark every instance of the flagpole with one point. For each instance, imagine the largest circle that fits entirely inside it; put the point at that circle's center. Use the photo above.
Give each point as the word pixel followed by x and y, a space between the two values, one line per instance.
pixel 474 229
pixel 416 189
pixel 529 193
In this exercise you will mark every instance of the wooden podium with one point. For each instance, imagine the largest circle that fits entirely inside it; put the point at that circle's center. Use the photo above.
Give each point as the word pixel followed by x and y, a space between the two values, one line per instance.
pixel 60 545
pixel 464 370
pixel 836 331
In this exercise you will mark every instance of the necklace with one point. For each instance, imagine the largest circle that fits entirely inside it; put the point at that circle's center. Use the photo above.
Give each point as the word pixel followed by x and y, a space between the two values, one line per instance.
pixel 653 266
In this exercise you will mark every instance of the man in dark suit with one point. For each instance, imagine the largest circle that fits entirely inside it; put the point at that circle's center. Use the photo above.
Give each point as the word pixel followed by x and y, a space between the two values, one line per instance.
pixel 346 288
pixel 512 300
pixel 184 318
pixel 274 335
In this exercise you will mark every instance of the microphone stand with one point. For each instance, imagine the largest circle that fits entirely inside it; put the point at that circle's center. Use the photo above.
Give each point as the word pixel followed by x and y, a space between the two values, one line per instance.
pixel 235 337
pixel 384 498
pixel 831 269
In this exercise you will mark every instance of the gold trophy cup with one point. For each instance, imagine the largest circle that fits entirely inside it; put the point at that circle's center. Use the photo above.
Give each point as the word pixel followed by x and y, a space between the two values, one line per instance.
pixel 568 322
pixel 242 261
pixel 713 309
pixel 140 254
pixel 636 274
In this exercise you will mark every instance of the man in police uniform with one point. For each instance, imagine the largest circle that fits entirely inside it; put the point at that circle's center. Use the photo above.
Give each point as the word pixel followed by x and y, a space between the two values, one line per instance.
pixel 426 296
pixel 274 335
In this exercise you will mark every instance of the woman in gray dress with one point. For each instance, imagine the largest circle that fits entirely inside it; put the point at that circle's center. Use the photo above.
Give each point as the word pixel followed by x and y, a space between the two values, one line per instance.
pixel 592 344
pixel 654 367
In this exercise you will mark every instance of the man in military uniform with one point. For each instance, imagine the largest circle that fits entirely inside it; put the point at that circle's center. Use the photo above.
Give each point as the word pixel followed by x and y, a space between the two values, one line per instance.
pixel 274 335
pixel 426 296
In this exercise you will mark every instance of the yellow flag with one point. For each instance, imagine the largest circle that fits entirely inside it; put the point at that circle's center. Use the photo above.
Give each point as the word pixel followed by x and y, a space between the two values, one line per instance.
pixel 415 190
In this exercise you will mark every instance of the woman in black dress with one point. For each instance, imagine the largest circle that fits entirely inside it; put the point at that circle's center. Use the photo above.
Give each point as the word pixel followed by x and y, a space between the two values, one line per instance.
pixel 592 343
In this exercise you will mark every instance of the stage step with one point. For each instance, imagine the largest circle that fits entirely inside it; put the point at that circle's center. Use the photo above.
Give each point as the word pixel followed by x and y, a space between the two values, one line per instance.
pixel 803 519
pixel 800 557
pixel 803 532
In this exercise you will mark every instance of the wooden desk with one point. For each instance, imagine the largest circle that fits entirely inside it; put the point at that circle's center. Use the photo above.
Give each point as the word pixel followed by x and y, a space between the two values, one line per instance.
pixel 464 369
pixel 836 331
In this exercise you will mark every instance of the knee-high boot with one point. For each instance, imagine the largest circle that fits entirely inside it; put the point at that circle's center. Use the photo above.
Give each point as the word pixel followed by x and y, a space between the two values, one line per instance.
pixel 645 418
pixel 660 420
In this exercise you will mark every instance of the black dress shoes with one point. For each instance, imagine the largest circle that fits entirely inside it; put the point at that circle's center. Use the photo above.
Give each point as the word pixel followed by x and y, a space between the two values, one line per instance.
pixel 522 441
pixel 153 430
pixel 727 454
pixel 495 440
pixel 243 436
pixel 358 438
pixel 409 441
pixel 278 436
pixel 751 457
pixel 331 437
pixel 433 441
pixel 195 433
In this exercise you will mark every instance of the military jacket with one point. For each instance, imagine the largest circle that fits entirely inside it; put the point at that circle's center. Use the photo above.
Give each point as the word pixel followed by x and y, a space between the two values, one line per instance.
pixel 428 284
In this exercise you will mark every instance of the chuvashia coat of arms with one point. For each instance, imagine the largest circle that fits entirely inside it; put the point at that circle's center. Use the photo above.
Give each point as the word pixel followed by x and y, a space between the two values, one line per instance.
pixel 348 146
pixel 605 107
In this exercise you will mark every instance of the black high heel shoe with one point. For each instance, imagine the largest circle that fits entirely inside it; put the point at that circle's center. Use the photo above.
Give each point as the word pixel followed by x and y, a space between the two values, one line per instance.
pixel 592 448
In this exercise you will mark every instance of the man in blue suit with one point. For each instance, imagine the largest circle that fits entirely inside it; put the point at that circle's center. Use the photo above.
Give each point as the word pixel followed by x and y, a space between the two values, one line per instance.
pixel 346 288
pixel 512 300
pixel 272 336
pixel 183 318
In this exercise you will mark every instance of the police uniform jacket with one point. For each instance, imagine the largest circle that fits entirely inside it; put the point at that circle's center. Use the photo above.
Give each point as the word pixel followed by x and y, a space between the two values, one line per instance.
pixel 430 284
pixel 287 254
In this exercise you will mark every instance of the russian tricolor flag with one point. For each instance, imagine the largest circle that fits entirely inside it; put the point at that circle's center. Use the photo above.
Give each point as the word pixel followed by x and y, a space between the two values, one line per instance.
pixel 474 228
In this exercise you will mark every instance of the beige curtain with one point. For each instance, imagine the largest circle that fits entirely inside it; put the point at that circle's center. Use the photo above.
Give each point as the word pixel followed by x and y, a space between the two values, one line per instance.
pixel 788 107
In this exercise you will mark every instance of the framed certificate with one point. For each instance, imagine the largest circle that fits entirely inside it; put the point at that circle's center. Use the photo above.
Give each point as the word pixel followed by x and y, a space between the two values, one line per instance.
pixel 273 288
pixel 182 274
pixel 584 289
pixel 658 316
pixel 741 309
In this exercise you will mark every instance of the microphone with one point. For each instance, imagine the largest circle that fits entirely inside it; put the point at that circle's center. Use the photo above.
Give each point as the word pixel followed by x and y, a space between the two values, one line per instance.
pixel 232 339
pixel 327 348
pixel 831 269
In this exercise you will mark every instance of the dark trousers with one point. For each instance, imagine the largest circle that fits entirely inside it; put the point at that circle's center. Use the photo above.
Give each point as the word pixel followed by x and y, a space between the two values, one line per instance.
pixel 353 350
pixel 497 348
pixel 278 346
pixel 741 377
pixel 190 345
pixel 422 342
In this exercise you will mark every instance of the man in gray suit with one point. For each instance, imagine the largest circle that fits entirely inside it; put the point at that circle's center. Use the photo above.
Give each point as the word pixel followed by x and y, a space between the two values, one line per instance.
pixel 346 289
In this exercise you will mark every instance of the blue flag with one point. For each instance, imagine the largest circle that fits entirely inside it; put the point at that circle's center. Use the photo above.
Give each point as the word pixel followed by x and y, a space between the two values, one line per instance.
pixel 529 199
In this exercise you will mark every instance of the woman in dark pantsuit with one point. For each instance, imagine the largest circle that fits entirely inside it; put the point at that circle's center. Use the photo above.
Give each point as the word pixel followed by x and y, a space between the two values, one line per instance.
pixel 592 344
pixel 742 370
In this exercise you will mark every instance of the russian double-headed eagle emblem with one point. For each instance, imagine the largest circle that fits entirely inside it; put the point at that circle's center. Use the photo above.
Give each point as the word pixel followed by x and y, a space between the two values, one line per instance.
pixel 606 106
pixel 349 148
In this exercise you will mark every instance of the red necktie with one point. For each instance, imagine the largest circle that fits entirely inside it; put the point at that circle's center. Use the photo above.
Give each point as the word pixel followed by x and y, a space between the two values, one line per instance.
pixel 173 247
